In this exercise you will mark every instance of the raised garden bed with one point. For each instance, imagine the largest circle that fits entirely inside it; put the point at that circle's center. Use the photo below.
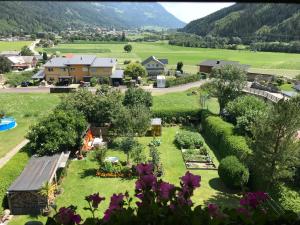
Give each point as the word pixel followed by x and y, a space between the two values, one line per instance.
pixel 197 159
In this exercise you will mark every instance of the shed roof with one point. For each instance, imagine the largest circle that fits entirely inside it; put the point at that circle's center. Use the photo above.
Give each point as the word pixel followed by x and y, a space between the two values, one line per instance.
pixel 39 75
pixel 38 171
pixel 118 74
pixel 156 121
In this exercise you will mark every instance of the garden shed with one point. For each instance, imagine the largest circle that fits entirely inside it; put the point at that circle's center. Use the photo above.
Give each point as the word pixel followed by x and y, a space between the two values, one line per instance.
pixel 23 195
pixel 161 81
pixel 156 126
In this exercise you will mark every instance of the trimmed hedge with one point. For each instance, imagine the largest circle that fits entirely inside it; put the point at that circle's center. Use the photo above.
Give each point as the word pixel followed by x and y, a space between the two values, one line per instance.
pixel 9 172
pixel 174 116
pixel 188 139
pixel 183 80
pixel 233 173
pixel 220 135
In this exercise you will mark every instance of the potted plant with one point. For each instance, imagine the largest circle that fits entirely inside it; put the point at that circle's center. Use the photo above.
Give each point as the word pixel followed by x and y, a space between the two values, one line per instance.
pixel 47 191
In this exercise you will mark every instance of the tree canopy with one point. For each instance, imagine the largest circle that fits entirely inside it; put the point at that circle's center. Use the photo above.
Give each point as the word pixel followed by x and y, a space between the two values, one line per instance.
pixel 135 70
pixel 135 96
pixel 25 51
pixel 128 48
pixel 5 65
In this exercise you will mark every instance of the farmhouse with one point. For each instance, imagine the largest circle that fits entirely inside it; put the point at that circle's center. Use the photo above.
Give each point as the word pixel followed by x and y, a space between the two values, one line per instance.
pixel 22 62
pixel 155 66
pixel 24 194
pixel 76 68
pixel 208 65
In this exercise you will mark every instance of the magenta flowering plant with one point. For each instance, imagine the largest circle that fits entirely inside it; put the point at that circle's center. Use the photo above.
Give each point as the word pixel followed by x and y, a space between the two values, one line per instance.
pixel 161 203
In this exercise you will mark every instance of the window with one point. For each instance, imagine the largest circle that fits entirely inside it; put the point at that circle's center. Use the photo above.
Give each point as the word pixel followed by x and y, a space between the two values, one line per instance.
pixel 93 70
pixel 157 65
pixel 72 68
pixel 50 69
pixel 85 69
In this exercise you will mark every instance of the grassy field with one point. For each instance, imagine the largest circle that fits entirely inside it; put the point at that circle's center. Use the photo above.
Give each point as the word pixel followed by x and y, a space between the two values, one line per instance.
pixel 26 109
pixel 280 63
pixel 13 45
pixel 81 181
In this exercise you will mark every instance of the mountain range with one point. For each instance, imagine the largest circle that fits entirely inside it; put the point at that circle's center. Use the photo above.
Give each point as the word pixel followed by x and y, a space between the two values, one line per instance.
pixel 31 16
pixel 272 20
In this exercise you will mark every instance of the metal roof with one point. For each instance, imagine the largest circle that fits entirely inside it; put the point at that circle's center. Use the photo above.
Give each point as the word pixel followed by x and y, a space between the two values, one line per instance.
pixel 118 74
pixel 39 75
pixel 219 63
pixel 56 62
pixel 149 59
pixel 80 60
pixel 104 62
pixel 164 61
pixel 156 121
pixel 38 171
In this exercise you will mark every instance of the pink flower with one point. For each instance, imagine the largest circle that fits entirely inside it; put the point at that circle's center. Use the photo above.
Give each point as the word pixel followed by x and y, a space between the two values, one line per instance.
pixel 67 215
pixel 116 203
pixel 144 169
pixel 145 182
pixel 95 199
pixel 165 189
pixel 190 180
pixel 214 210
pixel 243 211
pixel 253 199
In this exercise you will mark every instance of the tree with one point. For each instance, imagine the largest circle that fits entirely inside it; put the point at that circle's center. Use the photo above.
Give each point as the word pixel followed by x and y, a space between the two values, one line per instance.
pixel 132 121
pixel 5 65
pixel 275 148
pixel 297 77
pixel 243 111
pixel 127 145
pixel 179 67
pixel 60 131
pixel 123 38
pixel 128 48
pixel 135 70
pixel 137 154
pixel 45 57
pixel 25 51
pixel 229 80
pixel 136 96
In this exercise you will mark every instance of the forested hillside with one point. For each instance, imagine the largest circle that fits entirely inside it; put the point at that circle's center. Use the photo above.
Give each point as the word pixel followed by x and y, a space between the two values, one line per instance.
pixel 263 21
pixel 56 16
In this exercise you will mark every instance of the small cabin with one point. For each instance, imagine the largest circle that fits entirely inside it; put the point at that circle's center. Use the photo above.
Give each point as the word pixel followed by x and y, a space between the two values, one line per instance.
pixel 24 194
pixel 156 126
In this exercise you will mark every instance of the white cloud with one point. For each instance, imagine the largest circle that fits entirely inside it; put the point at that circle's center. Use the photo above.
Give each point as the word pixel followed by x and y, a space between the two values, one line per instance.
pixel 188 11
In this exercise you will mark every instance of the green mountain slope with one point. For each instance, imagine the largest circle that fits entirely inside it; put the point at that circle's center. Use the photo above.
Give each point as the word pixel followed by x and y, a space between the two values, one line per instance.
pixel 54 16
pixel 246 20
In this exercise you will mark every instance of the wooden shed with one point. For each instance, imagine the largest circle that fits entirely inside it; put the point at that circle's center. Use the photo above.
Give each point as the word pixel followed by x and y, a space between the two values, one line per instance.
pixel 23 195
pixel 156 126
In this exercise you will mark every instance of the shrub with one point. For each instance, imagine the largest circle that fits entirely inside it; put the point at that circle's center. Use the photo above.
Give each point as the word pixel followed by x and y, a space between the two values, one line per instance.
pixel 182 80
pixel 137 96
pixel 220 135
pixel 94 81
pixel 127 62
pixel 188 139
pixel 232 172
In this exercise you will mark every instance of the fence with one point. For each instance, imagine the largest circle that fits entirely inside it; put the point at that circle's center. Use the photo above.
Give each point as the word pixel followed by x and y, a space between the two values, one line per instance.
pixel 262 93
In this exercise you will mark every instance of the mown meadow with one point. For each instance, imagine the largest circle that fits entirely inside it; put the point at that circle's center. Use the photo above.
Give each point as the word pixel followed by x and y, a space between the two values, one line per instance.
pixel 13 45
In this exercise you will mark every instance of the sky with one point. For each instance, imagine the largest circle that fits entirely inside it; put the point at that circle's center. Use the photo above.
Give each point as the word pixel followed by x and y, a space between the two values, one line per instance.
pixel 188 11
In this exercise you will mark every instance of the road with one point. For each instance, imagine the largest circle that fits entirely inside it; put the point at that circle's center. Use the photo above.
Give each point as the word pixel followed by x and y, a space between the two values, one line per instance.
pixel 32 46
pixel 178 88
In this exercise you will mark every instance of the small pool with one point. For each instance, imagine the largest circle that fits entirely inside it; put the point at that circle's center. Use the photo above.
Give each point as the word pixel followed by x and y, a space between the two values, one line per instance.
pixel 7 123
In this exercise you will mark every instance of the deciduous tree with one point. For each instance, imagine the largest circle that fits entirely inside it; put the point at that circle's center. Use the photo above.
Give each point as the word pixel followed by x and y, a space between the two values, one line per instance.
pixel 135 70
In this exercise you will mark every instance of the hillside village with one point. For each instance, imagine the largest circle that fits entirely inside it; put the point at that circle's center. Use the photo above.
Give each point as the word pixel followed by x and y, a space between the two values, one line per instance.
pixel 102 124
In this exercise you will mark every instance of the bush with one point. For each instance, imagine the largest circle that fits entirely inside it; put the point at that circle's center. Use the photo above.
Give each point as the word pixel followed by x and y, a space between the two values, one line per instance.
pixel 127 62
pixel 94 81
pixel 188 139
pixel 182 80
pixel 137 96
pixel 233 173
pixel 220 135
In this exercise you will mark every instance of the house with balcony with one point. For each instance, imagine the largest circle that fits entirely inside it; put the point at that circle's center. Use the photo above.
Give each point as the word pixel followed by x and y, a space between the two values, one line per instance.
pixel 155 66
pixel 77 68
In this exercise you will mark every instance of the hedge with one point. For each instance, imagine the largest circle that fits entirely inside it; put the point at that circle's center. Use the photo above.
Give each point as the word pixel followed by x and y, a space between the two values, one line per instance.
pixel 182 80
pixel 220 135
pixel 188 139
pixel 174 116
pixel 9 172
pixel 233 173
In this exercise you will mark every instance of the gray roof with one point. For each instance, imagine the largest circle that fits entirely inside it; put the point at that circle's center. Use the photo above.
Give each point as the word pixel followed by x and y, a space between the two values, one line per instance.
pixel 219 63
pixel 91 60
pixel 10 53
pixel 164 61
pixel 81 60
pixel 104 62
pixel 39 75
pixel 38 171
pixel 118 74
pixel 152 58
pixel 156 121
pixel 297 87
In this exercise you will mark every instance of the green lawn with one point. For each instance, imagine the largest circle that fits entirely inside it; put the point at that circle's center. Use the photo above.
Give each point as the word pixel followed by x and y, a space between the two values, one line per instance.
pixel 287 87
pixel 26 109
pixel 81 180
pixel 279 62
pixel 182 101
pixel 13 45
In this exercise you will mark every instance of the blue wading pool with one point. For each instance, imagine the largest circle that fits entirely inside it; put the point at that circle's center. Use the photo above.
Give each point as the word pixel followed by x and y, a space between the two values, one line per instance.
pixel 7 123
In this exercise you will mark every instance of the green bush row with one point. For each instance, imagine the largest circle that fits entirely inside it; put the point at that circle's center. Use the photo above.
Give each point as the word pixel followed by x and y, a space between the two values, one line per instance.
pixel 182 80
pixel 220 135
pixel 9 172
pixel 174 116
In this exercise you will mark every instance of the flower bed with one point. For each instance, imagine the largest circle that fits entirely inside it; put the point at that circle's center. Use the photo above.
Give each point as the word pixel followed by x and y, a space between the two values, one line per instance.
pixel 113 170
